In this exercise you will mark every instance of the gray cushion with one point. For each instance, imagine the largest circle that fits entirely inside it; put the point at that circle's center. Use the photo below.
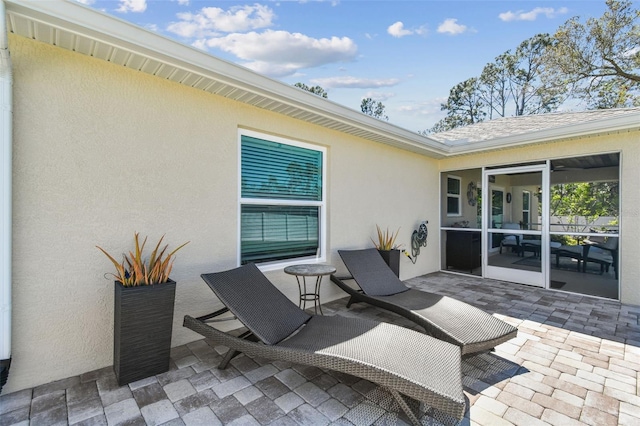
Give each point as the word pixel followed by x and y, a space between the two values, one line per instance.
pixel 257 303
pixel 371 272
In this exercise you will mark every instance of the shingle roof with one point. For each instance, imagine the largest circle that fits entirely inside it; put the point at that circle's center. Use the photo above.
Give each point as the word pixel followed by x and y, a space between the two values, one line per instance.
pixel 526 124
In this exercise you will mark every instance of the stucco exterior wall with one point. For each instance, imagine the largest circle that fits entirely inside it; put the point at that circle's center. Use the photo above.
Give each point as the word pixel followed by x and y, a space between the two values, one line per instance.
pixel 101 151
pixel 628 144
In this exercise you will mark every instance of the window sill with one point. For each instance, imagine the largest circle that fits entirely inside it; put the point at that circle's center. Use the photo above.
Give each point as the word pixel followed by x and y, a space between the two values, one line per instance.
pixel 275 266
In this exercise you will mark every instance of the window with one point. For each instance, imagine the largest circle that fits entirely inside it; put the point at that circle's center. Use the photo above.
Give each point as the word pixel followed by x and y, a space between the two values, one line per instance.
pixel 454 207
pixel 526 202
pixel 282 200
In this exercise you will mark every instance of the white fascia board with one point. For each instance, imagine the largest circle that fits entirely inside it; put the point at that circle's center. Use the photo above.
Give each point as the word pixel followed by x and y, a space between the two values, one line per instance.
pixel 617 124
pixel 92 24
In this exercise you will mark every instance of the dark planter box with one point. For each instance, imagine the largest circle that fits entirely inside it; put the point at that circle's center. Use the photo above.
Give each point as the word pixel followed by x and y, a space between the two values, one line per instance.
pixel 143 322
pixel 392 258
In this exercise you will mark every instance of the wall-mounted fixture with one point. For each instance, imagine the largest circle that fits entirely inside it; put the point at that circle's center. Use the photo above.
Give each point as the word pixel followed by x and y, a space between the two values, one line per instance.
pixel 538 192
pixel 418 239
pixel 472 195
pixel 508 197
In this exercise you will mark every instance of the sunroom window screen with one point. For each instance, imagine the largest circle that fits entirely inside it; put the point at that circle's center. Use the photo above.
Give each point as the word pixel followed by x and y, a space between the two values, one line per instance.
pixel 292 175
pixel 277 171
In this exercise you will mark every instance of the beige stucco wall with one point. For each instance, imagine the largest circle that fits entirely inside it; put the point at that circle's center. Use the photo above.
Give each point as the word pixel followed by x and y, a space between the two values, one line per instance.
pixel 101 151
pixel 628 144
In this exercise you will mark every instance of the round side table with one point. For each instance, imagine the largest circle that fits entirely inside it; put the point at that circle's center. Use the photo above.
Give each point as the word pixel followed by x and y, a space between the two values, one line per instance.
pixel 311 270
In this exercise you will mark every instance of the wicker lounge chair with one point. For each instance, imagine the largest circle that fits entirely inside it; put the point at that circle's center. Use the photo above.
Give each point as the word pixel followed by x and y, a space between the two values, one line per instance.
pixel 443 317
pixel 411 366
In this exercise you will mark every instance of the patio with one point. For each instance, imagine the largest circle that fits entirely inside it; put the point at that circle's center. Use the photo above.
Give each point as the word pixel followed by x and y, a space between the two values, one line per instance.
pixel 576 361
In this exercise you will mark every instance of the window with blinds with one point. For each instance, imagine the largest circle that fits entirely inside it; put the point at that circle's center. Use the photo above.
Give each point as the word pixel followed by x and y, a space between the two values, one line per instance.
pixel 281 204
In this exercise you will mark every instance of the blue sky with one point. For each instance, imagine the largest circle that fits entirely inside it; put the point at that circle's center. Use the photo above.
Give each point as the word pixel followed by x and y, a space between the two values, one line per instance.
pixel 406 54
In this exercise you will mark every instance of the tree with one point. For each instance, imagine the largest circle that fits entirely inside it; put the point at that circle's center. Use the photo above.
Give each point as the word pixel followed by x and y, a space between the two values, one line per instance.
pixel 376 110
pixel 602 55
pixel 512 84
pixel 527 88
pixel 587 201
pixel 494 84
pixel 316 90
pixel 464 106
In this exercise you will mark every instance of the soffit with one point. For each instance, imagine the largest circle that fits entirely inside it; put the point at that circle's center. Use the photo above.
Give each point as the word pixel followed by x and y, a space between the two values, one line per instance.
pixel 77 28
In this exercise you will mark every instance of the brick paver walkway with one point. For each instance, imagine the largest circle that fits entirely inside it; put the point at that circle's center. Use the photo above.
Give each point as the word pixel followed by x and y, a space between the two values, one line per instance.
pixel 576 361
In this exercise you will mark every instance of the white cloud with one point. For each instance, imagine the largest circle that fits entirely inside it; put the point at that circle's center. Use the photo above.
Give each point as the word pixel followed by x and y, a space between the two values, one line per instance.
pixel 132 6
pixel 213 20
pixel 87 2
pixel 183 2
pixel 379 96
pixel 398 30
pixel 350 82
pixel 451 26
pixel 533 14
pixel 427 112
pixel 280 53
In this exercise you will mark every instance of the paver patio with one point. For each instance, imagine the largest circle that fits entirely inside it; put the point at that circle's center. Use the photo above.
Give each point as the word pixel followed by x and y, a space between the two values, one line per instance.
pixel 576 361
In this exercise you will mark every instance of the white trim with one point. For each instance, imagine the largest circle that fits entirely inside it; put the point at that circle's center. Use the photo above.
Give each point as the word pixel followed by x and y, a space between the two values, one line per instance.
pixel 539 279
pixel 528 210
pixel 322 204
pixel 6 142
pixel 70 25
pixel 458 196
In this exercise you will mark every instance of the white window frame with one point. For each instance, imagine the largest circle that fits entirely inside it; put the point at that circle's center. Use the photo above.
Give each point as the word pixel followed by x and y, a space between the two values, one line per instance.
pixel 528 211
pixel 321 255
pixel 458 196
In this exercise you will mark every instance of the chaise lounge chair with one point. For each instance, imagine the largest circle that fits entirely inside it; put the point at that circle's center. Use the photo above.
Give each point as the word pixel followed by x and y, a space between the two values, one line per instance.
pixel 445 318
pixel 411 366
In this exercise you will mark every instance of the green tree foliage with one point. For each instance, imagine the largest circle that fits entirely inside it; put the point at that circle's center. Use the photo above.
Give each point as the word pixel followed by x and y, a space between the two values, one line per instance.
pixel 588 200
pixel 512 84
pixel 526 86
pixel 316 90
pixel 600 59
pixel 494 85
pixel 465 105
pixel 373 108
pixel 596 62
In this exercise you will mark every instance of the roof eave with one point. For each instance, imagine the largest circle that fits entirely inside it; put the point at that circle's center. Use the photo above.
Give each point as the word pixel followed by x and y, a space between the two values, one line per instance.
pixel 88 25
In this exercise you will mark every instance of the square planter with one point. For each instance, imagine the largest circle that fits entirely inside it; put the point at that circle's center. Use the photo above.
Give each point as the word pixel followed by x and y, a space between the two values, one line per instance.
pixel 392 258
pixel 143 322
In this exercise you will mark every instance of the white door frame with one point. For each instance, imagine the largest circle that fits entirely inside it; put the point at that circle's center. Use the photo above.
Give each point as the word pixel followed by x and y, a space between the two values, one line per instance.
pixel 539 279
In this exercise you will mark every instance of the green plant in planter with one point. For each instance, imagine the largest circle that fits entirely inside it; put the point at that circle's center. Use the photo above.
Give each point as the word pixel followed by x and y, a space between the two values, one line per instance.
pixel 135 270
pixel 388 248
pixel 142 312
pixel 386 239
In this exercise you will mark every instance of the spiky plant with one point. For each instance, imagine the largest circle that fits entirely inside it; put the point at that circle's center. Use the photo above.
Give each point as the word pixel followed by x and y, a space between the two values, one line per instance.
pixel 135 270
pixel 386 239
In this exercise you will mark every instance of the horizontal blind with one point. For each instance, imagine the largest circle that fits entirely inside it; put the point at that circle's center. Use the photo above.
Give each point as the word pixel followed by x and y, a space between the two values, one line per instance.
pixel 278 171
pixel 270 233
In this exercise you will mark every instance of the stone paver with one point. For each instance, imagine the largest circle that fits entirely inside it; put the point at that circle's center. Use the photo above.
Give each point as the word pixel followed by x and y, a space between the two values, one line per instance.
pixel 576 361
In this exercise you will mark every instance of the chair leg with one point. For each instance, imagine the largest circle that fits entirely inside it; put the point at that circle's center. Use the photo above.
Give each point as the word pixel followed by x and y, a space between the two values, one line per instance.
pixel 403 403
pixel 231 353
